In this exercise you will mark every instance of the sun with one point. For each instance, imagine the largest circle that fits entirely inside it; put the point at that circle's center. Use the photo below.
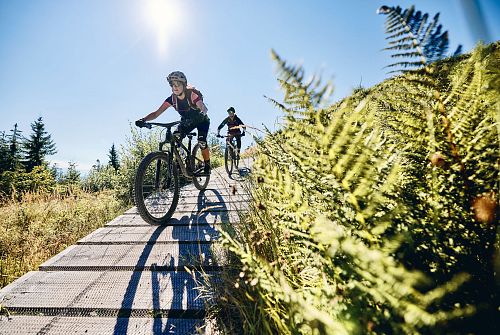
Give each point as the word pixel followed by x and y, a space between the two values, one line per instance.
pixel 164 18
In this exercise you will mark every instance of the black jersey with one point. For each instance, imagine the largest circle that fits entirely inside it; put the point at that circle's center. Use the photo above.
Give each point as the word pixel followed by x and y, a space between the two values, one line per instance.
pixel 231 124
pixel 185 107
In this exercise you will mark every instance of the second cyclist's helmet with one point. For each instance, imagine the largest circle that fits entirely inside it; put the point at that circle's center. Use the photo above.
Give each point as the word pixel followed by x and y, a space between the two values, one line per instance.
pixel 178 76
pixel 231 110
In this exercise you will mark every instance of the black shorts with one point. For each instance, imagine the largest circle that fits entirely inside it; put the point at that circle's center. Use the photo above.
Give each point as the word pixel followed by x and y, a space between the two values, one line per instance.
pixel 236 135
pixel 201 125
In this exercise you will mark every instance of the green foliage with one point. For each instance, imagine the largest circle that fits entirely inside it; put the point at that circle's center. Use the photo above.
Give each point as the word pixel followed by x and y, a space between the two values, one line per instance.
pixel 38 145
pixel 4 153
pixel 412 36
pixel 216 152
pixel 376 214
pixel 138 145
pixel 455 156
pixel 101 178
pixel 18 175
pixel 15 183
pixel 120 173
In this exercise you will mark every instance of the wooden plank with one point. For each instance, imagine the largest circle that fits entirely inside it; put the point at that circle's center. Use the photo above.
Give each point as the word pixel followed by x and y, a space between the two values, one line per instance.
pixel 112 290
pixel 64 325
pixel 180 218
pixel 136 257
pixel 142 234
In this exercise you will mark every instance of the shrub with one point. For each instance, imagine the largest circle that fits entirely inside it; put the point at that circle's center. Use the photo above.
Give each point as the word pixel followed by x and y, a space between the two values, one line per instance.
pixel 17 182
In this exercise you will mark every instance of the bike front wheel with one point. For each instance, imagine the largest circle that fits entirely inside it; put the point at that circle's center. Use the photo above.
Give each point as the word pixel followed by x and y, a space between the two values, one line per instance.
pixel 228 160
pixel 156 188
pixel 236 160
pixel 200 178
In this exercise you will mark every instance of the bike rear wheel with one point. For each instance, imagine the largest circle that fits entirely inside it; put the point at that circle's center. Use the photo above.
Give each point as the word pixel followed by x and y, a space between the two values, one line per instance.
pixel 200 178
pixel 156 188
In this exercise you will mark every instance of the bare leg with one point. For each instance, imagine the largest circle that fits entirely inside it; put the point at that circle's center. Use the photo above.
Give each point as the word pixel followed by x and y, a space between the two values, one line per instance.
pixel 206 154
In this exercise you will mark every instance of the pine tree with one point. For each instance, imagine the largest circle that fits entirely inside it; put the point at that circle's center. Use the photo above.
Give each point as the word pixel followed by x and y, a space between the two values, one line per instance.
pixel 38 145
pixel 97 166
pixel 14 151
pixel 4 153
pixel 56 172
pixel 113 158
pixel 72 175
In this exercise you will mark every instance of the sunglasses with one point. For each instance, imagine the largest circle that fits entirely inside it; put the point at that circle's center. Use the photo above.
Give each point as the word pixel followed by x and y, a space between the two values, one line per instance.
pixel 176 84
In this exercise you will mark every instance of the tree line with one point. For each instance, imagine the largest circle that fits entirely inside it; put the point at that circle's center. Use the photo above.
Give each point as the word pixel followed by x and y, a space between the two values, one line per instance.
pixel 21 153
pixel 24 166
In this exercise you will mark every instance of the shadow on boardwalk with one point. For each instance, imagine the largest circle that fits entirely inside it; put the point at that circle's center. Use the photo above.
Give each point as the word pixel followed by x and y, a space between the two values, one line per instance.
pixel 186 307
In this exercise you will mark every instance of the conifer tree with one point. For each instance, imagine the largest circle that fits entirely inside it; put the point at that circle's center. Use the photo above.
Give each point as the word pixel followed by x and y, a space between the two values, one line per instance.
pixel 113 158
pixel 4 153
pixel 97 166
pixel 56 172
pixel 14 151
pixel 72 175
pixel 38 145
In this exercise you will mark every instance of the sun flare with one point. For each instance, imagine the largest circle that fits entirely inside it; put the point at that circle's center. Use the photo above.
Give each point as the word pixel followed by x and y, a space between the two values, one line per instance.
pixel 164 18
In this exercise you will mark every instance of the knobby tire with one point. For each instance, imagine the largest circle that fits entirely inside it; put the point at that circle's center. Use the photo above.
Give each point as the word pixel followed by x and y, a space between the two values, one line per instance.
pixel 156 191
pixel 200 182
pixel 228 160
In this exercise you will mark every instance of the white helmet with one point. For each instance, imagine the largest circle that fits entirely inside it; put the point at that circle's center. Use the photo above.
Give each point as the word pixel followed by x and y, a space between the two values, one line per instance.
pixel 178 76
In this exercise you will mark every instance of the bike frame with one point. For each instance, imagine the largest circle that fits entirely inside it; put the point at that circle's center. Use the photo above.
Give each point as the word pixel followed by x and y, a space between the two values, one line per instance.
pixel 176 145
pixel 232 141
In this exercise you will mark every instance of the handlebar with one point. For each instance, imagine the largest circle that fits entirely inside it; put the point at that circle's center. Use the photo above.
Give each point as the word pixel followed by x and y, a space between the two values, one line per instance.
pixel 149 125
pixel 222 136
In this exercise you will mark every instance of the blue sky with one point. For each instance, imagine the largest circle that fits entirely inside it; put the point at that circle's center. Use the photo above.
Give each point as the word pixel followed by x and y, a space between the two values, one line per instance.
pixel 90 68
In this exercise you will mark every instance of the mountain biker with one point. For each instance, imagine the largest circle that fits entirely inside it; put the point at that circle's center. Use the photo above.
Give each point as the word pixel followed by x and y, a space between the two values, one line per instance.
pixel 188 102
pixel 234 124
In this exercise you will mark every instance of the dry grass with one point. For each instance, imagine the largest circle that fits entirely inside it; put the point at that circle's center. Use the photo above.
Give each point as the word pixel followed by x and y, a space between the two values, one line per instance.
pixel 42 225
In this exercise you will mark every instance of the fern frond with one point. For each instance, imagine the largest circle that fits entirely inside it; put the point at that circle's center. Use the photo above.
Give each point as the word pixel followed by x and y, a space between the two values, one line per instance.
pixel 300 93
pixel 409 30
pixel 277 104
pixel 406 65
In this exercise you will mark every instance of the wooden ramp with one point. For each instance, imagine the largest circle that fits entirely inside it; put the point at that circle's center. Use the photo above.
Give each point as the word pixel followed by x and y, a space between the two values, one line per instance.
pixel 130 277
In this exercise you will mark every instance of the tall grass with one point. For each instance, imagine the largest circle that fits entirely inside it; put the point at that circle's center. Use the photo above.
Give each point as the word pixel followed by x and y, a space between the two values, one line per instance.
pixel 41 225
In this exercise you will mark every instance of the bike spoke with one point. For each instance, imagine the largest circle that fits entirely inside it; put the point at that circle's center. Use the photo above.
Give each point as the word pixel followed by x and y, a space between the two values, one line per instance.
pixel 156 190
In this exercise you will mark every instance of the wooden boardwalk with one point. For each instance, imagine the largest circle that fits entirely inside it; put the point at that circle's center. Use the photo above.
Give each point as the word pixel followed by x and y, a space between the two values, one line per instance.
pixel 130 277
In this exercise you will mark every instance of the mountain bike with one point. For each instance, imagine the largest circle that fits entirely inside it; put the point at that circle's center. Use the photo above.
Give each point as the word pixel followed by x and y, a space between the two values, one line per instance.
pixel 156 185
pixel 231 154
